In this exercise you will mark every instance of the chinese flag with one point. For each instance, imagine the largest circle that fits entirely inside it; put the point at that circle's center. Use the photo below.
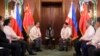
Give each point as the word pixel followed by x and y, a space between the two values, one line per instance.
pixel 28 20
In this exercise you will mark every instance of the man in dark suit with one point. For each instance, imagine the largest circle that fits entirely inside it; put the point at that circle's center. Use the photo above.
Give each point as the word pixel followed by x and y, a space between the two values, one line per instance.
pixel 4 43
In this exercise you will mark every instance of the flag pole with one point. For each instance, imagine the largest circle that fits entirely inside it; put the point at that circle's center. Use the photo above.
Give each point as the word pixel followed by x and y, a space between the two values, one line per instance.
pixel 6 9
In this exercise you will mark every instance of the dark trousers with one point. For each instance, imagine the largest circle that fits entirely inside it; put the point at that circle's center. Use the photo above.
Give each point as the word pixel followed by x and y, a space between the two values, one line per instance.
pixel 37 43
pixel 91 50
pixel 77 47
pixel 84 48
pixel 4 52
pixel 25 46
pixel 81 48
pixel 50 43
pixel 97 52
pixel 47 43
pixel 14 47
pixel 63 44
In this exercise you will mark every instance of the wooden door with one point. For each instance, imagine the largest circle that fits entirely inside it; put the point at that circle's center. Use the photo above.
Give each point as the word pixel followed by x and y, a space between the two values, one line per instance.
pixel 52 15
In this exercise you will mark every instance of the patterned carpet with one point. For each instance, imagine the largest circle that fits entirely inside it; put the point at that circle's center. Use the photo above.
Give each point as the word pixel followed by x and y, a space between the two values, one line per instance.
pixel 54 52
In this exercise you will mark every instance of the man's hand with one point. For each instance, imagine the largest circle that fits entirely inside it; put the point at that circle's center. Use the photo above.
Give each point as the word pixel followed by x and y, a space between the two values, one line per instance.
pixel 98 46
pixel 20 38
pixel 80 39
pixel 89 43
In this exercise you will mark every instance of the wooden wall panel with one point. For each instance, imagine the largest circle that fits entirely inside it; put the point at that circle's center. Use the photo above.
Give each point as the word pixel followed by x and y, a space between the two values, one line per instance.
pixel 98 8
pixel 50 16
pixel 2 7
pixel 38 8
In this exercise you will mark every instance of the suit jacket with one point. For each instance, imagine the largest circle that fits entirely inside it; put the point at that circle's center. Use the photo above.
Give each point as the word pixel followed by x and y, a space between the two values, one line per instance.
pixel 3 37
pixel 4 42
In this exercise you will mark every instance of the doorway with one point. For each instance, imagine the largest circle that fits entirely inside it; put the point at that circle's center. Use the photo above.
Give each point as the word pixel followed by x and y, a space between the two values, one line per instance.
pixel 52 14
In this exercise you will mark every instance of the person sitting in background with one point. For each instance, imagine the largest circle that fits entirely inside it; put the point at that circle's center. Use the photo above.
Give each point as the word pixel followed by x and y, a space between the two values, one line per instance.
pixel 50 38
pixel 35 36
pixel 65 37
pixel 13 38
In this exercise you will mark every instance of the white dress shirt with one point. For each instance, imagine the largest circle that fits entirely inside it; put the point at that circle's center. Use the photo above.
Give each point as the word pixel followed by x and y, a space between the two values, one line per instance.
pixel 96 37
pixel 11 35
pixel 34 33
pixel 89 33
pixel 66 32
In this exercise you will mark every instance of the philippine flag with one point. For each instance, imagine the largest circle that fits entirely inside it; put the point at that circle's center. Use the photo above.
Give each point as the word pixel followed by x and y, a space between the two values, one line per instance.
pixel 16 21
pixel 72 21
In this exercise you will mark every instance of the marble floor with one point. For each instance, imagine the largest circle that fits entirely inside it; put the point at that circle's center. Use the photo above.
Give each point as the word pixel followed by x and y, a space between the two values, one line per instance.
pixel 54 52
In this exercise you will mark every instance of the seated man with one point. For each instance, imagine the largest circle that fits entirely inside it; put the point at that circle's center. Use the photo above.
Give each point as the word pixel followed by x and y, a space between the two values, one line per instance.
pixel 35 36
pixel 65 37
pixel 13 38
pixel 89 33
pixel 94 44
pixel 6 45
